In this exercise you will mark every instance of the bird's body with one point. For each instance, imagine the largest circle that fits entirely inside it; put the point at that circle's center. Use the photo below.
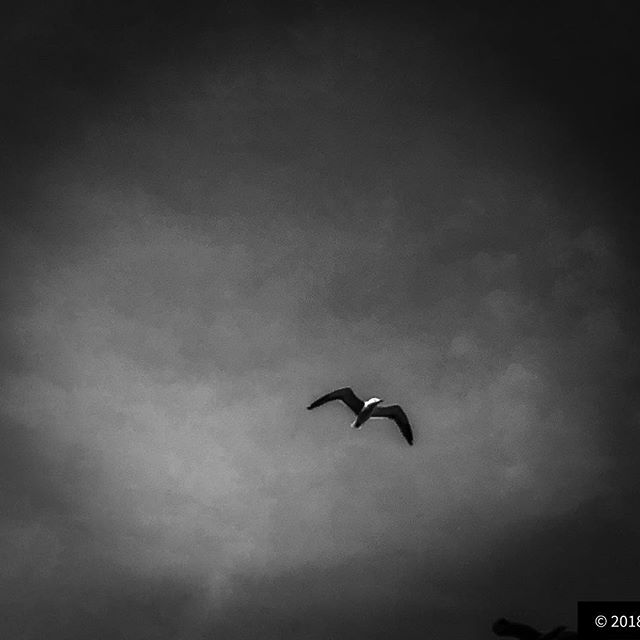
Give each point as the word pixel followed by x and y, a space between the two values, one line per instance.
pixel 369 409
pixel 367 412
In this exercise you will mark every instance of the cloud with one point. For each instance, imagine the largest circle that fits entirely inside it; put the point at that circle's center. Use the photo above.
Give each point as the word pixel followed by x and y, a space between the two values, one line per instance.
pixel 233 239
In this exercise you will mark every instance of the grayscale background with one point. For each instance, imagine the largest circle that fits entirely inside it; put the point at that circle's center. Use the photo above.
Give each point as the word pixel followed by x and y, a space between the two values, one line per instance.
pixel 213 213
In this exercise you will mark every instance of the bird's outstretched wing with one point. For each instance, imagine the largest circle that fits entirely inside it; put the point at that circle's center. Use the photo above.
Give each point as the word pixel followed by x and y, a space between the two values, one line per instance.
pixel 395 413
pixel 346 395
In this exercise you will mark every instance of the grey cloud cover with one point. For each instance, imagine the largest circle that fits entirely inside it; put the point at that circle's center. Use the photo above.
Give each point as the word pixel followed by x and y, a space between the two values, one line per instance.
pixel 239 232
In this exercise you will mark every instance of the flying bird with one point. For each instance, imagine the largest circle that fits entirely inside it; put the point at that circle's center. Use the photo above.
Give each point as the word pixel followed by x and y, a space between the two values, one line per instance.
pixel 368 409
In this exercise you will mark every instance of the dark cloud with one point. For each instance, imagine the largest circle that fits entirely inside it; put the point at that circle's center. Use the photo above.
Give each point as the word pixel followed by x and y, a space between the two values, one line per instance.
pixel 214 214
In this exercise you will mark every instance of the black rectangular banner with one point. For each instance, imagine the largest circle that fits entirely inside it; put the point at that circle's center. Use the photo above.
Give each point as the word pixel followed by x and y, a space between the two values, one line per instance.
pixel 609 620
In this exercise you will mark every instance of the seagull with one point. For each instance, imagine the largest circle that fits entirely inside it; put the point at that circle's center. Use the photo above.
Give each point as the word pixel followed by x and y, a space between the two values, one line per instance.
pixel 368 409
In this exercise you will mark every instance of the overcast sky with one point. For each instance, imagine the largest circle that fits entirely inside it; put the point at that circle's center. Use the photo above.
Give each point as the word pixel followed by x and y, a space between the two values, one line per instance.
pixel 213 215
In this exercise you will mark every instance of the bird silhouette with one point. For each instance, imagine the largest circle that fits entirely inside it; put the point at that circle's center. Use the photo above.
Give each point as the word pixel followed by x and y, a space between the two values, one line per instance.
pixel 369 409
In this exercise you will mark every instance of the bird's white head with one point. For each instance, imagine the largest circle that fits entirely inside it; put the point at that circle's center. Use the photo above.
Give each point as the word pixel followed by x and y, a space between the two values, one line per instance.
pixel 372 401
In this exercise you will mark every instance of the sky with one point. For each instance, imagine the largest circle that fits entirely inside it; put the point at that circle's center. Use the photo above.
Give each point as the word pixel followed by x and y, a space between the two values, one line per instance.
pixel 214 214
